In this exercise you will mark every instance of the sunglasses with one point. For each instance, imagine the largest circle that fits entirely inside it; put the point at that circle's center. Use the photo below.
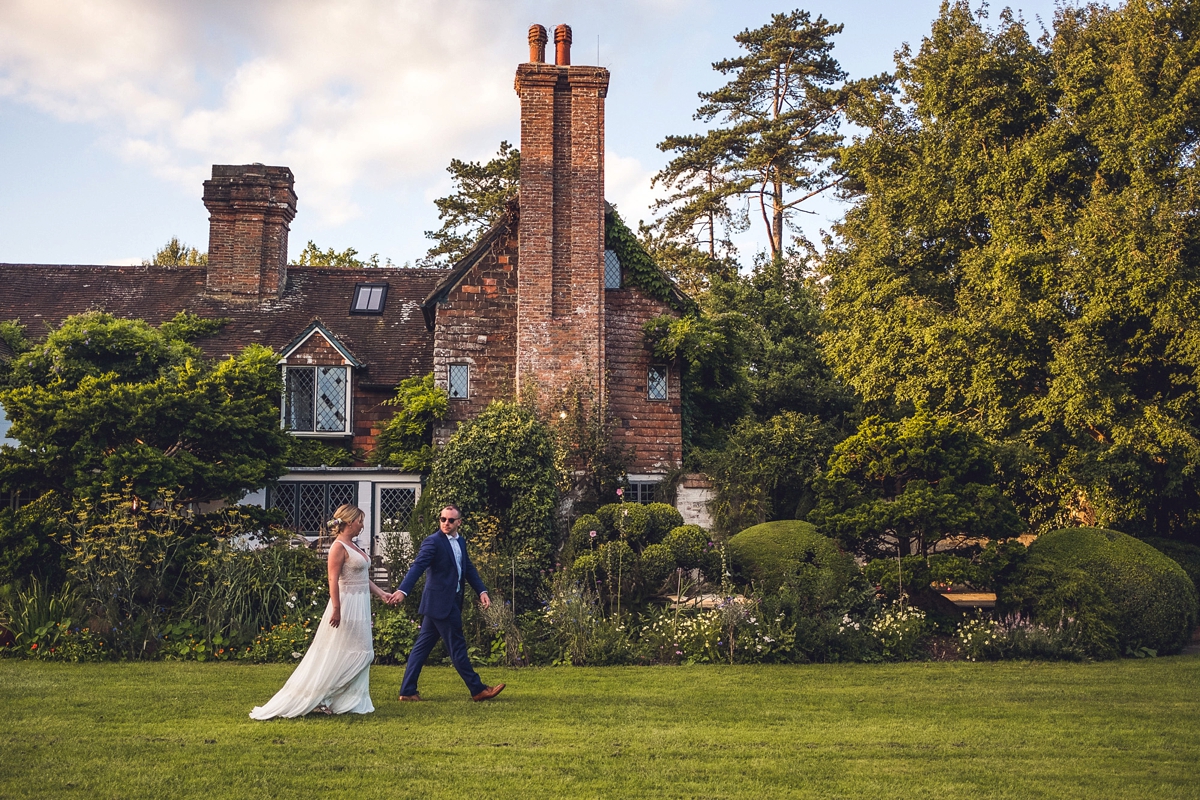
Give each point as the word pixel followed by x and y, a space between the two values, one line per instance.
pixel 449 519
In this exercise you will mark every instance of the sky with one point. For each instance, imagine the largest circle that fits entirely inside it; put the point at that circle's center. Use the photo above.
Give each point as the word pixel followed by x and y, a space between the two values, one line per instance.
pixel 113 111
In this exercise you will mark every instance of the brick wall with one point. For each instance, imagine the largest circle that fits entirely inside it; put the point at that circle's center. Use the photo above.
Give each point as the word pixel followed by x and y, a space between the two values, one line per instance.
pixel 477 326
pixel 560 338
pixel 250 209
pixel 652 428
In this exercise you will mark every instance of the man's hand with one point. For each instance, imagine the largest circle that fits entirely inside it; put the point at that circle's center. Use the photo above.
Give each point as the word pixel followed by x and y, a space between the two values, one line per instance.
pixel 395 597
pixel 484 600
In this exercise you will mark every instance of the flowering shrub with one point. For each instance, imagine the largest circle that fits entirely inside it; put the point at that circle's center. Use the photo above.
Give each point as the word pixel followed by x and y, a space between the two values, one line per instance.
pixel 185 640
pixel 1018 636
pixel 287 641
pixel 60 642
pixel 901 631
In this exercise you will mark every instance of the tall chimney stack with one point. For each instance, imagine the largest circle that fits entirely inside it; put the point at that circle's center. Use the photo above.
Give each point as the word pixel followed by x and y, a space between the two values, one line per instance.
pixel 250 208
pixel 537 44
pixel 562 46
pixel 560 311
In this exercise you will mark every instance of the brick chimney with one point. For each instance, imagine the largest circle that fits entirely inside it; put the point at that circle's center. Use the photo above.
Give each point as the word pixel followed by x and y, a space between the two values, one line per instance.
pixel 560 312
pixel 250 207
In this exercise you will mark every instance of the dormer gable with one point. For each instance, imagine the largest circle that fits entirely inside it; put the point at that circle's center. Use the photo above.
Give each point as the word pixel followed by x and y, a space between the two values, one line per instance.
pixel 317 374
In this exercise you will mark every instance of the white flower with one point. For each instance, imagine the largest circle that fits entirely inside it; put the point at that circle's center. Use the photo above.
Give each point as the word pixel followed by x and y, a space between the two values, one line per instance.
pixel 295 654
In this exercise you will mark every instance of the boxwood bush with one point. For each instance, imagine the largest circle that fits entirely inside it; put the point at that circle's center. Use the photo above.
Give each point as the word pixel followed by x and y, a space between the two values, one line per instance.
pixel 790 552
pixel 1154 601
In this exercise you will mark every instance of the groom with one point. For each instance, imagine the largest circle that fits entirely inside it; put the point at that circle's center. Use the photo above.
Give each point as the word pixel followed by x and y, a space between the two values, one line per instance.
pixel 444 555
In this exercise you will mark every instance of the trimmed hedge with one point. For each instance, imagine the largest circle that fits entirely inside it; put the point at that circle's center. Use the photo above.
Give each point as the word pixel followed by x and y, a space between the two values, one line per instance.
pixel 776 553
pixel 1154 599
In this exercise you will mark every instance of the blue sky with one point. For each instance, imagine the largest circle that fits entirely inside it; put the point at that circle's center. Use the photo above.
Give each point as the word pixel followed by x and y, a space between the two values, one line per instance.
pixel 112 111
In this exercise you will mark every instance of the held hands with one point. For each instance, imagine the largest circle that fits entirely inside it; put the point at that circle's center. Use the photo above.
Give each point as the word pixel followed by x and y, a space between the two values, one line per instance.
pixel 394 598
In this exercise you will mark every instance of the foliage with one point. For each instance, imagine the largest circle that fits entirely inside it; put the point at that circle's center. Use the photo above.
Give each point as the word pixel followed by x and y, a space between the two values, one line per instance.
pixel 1016 636
pixel 1184 554
pixel 480 196
pixel 35 616
pixel 1048 593
pixel 901 631
pixel 286 641
pixel 775 553
pixel 658 563
pixel 682 260
pixel 591 452
pixel 27 546
pixel 303 452
pixel 903 487
pixel 313 256
pixel 766 470
pixel 406 440
pixel 779 112
pixel 177 254
pixel 394 635
pixel 1020 253
pixel 503 465
pixel 1155 601
pixel 637 267
pixel 111 401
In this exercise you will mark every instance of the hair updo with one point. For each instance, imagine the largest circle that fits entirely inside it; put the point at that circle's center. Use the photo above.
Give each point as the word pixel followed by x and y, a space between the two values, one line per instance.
pixel 344 515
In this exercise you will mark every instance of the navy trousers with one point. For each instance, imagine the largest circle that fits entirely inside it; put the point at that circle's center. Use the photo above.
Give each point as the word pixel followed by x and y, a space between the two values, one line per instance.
pixel 449 630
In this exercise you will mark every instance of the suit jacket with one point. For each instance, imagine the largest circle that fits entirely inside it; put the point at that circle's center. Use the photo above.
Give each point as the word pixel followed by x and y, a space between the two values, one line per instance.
pixel 440 598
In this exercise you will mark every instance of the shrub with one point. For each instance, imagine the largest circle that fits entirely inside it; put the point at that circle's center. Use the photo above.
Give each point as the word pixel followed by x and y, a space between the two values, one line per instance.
pixel 626 521
pixel 901 632
pixel 1020 637
pixel 658 564
pixel 772 553
pixel 1184 554
pixel 288 641
pixel 393 635
pixel 1155 601
pixel 581 538
pixel 662 518
pixel 690 547
pixel 1048 592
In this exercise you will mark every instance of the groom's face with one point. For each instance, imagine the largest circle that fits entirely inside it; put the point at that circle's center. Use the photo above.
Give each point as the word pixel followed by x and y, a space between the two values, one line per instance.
pixel 449 520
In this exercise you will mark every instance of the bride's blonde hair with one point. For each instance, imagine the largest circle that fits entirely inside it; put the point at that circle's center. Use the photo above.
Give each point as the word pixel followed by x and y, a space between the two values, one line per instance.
pixel 344 515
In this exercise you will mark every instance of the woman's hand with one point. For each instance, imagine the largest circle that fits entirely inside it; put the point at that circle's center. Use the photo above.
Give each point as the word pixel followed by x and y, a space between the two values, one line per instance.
pixel 335 617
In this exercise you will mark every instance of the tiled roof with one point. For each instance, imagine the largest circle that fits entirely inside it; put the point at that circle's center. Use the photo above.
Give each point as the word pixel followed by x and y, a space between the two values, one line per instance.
pixel 393 345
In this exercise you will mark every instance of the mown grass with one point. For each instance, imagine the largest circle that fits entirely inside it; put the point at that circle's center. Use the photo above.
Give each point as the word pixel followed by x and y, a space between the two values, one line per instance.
pixel 1122 729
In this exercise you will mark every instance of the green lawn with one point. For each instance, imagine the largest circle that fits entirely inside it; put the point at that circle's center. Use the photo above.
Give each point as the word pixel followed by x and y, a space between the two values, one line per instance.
pixel 1121 729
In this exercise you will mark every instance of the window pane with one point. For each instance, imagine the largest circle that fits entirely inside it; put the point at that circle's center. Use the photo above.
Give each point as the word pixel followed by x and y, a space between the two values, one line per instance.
pixel 459 381
pixel 612 270
pixel 396 508
pixel 331 399
pixel 363 299
pixel 339 495
pixel 283 497
pixel 298 412
pixel 311 509
pixel 656 383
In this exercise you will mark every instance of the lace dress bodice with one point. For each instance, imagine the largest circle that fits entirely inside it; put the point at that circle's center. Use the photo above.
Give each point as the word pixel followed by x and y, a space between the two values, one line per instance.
pixel 355 575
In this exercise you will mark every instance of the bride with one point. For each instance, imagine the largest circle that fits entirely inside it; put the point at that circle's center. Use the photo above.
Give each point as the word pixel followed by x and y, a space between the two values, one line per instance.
pixel 334 677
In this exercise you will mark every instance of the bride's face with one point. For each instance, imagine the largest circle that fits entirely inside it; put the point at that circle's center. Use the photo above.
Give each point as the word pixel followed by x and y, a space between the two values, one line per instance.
pixel 355 527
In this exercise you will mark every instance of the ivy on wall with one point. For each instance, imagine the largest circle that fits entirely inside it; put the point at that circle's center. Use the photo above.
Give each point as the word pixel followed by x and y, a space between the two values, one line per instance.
pixel 639 268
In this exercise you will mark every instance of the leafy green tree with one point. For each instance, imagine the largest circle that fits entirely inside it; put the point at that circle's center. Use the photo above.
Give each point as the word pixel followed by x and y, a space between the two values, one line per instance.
pixel 780 112
pixel 112 402
pixel 406 440
pixel 313 256
pixel 905 487
pixel 177 254
pixel 503 470
pixel 481 193
pixel 766 470
pixel 1022 253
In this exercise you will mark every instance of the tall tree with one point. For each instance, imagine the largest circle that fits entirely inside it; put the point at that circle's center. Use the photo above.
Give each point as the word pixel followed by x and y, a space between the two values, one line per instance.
pixel 1023 253
pixel 313 256
pixel 779 117
pixel 176 254
pixel 481 193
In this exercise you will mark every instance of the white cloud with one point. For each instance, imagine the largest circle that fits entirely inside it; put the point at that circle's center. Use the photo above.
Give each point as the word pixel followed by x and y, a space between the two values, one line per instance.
pixel 348 92
pixel 627 185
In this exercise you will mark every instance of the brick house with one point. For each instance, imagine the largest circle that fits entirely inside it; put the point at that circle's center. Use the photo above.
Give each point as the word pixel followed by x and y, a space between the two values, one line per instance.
pixel 539 306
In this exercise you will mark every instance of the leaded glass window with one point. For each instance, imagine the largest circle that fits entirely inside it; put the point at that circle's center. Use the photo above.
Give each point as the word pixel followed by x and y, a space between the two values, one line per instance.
pixel 307 506
pixel 315 399
pixel 641 491
pixel 612 270
pixel 656 383
pixel 396 507
pixel 460 381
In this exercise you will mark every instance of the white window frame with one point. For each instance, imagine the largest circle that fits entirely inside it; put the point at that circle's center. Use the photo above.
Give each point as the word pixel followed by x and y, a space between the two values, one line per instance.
pixel 314 434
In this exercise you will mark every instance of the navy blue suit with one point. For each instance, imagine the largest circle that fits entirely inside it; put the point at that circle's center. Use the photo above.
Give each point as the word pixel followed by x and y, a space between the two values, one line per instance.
pixel 441 604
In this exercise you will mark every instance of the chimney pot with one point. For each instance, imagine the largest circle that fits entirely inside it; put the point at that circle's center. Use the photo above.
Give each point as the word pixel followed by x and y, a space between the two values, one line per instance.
pixel 537 44
pixel 562 45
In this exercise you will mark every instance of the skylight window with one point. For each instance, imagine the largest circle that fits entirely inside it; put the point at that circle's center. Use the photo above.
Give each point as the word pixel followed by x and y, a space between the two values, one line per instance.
pixel 369 298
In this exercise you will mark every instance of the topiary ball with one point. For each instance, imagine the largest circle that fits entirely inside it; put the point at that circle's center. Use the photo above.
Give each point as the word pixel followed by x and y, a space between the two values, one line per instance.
pixel 1154 598
pixel 774 553
pixel 662 519
pixel 689 546
pixel 658 564
pixel 581 534
pixel 625 521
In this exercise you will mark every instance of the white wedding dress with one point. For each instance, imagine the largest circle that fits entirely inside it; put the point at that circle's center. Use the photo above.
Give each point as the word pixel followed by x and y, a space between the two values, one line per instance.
pixel 335 672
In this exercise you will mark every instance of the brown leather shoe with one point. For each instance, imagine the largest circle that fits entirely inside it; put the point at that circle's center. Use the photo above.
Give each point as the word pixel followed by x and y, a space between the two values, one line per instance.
pixel 488 692
pixel 410 698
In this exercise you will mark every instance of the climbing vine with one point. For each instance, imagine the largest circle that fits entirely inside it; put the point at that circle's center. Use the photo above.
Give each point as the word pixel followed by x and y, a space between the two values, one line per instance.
pixel 640 269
